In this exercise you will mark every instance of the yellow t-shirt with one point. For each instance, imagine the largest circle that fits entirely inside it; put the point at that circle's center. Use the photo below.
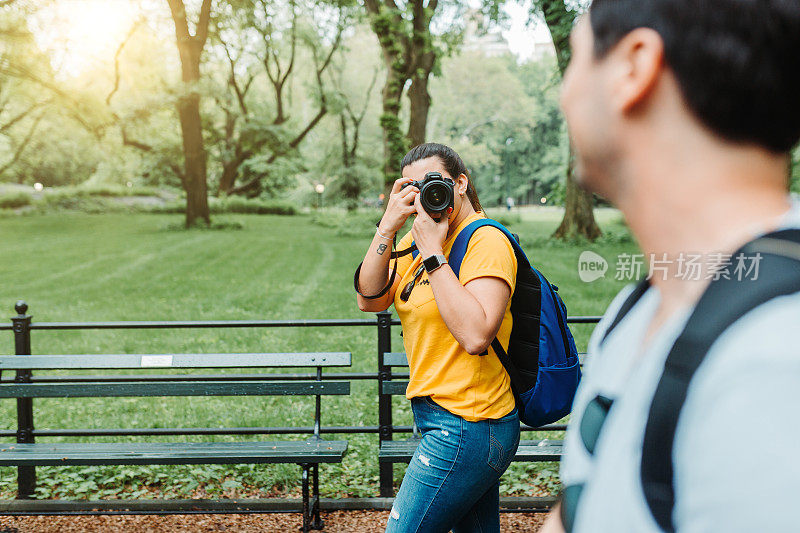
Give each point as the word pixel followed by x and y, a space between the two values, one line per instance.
pixel 475 387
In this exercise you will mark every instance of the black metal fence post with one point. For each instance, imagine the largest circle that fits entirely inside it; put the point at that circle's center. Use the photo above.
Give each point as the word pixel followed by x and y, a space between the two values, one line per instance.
pixel 26 475
pixel 386 470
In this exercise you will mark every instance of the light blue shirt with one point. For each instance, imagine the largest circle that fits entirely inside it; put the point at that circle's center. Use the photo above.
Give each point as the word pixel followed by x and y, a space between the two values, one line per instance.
pixel 736 454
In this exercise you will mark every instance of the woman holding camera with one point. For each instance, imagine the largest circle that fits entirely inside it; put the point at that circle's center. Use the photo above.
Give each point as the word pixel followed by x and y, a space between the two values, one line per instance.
pixel 460 393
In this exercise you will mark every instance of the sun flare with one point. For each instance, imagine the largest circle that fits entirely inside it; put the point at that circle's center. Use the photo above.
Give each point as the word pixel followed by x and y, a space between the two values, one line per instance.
pixel 83 33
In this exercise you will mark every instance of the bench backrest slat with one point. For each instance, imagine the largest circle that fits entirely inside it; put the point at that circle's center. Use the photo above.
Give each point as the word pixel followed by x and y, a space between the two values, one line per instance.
pixel 399 358
pixel 206 360
pixel 174 388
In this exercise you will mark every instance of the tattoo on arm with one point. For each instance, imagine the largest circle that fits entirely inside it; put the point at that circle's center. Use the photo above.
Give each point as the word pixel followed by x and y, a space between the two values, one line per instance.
pixel 381 249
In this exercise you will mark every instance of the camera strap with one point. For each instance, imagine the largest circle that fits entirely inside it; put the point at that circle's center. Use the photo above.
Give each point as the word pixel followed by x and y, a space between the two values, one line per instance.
pixel 394 255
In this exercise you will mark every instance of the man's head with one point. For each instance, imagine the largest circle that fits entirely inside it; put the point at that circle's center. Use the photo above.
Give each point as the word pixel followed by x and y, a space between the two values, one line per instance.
pixel 727 69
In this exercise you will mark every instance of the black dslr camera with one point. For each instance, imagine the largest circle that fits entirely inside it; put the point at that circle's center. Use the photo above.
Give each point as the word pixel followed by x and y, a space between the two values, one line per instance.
pixel 436 192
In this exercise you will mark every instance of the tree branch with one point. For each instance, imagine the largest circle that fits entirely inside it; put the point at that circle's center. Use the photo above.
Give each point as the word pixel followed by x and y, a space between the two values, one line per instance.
pixel 232 81
pixel 22 145
pixel 372 83
pixel 178 11
pixel 8 125
pixel 127 141
pixel 372 6
pixel 116 60
pixel 201 31
pixel 293 45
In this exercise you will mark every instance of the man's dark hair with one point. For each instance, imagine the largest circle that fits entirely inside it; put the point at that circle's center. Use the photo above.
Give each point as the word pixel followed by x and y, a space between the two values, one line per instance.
pixel 737 61
pixel 452 162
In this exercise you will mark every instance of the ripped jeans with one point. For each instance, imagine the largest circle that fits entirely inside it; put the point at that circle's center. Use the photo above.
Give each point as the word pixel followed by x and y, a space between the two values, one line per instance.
pixel 452 481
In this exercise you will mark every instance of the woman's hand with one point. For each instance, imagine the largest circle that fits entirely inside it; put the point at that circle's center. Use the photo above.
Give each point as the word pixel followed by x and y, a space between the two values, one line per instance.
pixel 429 234
pixel 399 207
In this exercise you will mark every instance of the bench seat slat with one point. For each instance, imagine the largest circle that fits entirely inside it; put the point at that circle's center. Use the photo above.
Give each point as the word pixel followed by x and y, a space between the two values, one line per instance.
pixel 394 387
pixel 173 388
pixel 139 453
pixel 401 451
pixel 204 360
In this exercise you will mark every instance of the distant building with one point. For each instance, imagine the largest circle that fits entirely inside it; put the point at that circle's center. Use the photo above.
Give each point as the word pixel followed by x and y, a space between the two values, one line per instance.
pixel 479 38
pixel 543 50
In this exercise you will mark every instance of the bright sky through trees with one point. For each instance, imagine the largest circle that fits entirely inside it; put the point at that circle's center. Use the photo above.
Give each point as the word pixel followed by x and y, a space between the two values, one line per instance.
pixel 80 33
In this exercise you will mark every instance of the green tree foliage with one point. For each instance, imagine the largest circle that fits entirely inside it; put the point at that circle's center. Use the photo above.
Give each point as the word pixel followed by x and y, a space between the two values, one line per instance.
pixel 266 51
pixel 35 111
pixel 514 140
pixel 354 75
pixel 290 98
pixel 413 44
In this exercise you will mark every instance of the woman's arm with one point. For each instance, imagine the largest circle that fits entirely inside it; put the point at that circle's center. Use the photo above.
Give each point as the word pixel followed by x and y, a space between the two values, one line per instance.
pixel 473 312
pixel 375 274
pixel 375 270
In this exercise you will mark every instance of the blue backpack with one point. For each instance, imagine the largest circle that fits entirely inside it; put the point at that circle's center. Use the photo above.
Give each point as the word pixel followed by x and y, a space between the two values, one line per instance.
pixel 542 360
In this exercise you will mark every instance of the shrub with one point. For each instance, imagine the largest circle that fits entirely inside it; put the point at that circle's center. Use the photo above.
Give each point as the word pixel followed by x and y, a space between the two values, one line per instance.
pixel 107 191
pixel 13 200
pixel 507 219
pixel 170 208
pixel 351 224
pixel 67 201
pixel 236 204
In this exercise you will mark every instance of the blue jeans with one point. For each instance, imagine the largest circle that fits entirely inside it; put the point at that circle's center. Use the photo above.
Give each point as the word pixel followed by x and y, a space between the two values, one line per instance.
pixel 452 481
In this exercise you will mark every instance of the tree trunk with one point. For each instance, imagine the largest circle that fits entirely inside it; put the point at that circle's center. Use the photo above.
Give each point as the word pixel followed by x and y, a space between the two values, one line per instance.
pixel 190 49
pixel 230 169
pixel 227 178
pixel 195 157
pixel 345 146
pixel 579 213
pixel 420 101
pixel 394 142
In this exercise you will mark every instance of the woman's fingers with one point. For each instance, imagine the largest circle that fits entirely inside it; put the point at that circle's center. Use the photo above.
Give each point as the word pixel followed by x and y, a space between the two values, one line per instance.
pixel 407 194
pixel 421 210
pixel 403 199
pixel 398 184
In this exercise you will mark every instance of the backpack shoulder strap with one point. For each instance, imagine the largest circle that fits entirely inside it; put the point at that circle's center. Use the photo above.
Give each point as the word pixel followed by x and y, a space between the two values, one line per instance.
pixel 627 305
pixel 722 304
pixel 459 249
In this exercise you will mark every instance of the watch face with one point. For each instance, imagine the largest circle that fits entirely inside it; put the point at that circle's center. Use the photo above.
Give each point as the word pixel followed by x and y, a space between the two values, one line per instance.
pixel 433 262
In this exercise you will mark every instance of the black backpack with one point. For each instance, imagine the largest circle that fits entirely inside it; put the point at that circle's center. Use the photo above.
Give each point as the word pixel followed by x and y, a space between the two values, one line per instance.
pixel 723 303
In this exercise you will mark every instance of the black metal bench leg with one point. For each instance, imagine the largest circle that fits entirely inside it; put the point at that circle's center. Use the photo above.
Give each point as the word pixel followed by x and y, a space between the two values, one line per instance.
pixel 315 507
pixel 306 511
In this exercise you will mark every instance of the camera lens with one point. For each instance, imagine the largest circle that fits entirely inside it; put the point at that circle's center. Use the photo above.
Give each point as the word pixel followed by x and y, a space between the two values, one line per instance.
pixel 436 197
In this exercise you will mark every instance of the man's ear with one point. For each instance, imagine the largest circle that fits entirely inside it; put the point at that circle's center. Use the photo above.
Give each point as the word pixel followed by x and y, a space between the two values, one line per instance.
pixel 638 65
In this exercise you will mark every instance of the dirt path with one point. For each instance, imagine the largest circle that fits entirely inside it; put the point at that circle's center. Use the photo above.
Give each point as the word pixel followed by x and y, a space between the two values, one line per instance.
pixel 335 522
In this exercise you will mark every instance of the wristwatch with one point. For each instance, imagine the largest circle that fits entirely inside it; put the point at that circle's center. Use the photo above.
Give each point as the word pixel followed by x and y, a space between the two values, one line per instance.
pixel 433 262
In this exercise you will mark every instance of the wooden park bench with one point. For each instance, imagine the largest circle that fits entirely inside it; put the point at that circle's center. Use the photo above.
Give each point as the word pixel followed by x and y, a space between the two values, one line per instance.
pixel 401 451
pixel 308 453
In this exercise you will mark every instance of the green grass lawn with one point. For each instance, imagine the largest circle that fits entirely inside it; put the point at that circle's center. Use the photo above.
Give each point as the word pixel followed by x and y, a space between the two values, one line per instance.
pixel 80 267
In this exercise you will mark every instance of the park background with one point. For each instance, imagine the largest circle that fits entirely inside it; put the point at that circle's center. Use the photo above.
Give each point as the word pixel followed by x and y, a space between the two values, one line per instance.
pixel 225 160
